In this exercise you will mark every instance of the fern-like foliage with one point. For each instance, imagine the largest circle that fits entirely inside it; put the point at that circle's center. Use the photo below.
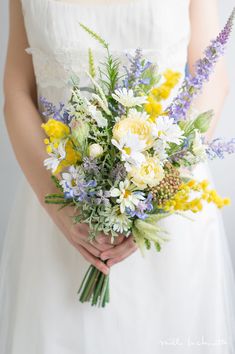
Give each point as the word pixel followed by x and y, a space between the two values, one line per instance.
pixel 95 36
pixel 110 74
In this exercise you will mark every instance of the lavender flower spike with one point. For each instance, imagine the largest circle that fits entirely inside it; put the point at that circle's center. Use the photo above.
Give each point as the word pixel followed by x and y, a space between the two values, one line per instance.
pixel 219 147
pixel 193 85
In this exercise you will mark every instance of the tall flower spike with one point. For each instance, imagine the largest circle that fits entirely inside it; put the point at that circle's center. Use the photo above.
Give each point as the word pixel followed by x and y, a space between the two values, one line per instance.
pixel 193 85
pixel 218 148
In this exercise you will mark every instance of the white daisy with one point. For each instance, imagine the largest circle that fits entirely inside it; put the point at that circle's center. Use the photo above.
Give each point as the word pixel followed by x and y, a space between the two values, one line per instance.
pixel 126 197
pixel 120 222
pixel 70 179
pixel 56 156
pixel 167 130
pixel 127 98
pixel 131 148
pixel 133 113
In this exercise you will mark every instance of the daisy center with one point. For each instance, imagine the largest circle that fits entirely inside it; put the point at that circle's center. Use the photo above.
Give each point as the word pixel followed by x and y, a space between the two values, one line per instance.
pixel 126 193
pixel 127 150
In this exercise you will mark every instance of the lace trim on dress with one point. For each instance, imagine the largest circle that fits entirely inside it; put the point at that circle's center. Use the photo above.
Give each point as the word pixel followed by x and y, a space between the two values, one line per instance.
pixel 57 69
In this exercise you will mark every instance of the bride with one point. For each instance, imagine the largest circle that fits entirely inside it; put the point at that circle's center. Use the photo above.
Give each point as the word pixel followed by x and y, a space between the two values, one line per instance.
pixel 178 301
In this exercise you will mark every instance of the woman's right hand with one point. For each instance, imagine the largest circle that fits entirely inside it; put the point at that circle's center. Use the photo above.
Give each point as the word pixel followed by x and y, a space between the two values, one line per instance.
pixel 77 235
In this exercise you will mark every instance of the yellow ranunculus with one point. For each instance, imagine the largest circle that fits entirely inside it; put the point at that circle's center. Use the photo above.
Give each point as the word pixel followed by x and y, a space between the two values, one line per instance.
pixel 55 129
pixel 137 126
pixel 72 156
pixel 150 173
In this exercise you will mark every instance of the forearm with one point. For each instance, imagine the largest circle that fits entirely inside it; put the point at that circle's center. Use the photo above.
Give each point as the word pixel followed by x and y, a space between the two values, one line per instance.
pixel 23 123
pixel 213 97
pixel 204 20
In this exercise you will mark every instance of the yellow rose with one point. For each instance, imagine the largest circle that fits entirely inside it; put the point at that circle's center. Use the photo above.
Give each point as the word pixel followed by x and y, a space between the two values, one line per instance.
pixel 150 173
pixel 135 125
pixel 55 129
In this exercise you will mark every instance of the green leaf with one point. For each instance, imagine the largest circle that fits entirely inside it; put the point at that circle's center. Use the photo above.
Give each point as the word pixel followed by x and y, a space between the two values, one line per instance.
pixel 202 122
pixel 57 182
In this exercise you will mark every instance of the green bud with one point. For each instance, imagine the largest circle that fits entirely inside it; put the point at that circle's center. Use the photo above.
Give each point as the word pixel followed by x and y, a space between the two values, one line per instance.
pixel 80 131
pixel 202 122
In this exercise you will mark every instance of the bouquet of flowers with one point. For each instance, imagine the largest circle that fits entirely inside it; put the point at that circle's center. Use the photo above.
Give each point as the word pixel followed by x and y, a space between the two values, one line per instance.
pixel 117 155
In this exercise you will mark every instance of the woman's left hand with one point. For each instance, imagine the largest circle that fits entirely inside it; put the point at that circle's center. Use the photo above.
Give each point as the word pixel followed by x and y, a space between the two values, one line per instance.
pixel 120 251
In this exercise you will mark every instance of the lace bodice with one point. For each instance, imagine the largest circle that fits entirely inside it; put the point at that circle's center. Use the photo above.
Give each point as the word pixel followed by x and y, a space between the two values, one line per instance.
pixel 59 46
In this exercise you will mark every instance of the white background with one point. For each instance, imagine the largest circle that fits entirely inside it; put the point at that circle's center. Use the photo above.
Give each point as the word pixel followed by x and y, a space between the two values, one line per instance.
pixel 223 171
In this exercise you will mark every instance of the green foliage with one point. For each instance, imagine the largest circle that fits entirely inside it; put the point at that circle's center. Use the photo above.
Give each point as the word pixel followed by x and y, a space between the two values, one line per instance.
pixel 109 76
pixel 158 246
pixel 202 122
pixel 56 181
pixel 95 36
pixel 152 74
pixel 92 70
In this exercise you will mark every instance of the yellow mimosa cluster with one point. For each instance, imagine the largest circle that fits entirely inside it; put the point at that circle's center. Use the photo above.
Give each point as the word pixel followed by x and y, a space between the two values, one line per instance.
pixel 153 107
pixel 183 199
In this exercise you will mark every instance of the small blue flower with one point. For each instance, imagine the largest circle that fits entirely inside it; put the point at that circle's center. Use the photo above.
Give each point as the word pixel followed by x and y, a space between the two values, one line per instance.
pixel 142 207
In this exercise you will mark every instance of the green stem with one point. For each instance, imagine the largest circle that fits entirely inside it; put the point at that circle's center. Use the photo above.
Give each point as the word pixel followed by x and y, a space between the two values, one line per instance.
pixel 88 285
pixel 85 277
pixel 98 288
pixel 93 284
pixel 102 297
pixel 107 294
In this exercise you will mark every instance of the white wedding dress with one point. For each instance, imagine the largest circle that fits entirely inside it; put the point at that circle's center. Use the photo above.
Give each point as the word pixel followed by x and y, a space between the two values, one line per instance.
pixel 180 300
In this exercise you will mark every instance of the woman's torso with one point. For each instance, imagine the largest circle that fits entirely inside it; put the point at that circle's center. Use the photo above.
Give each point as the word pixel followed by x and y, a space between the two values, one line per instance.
pixel 60 46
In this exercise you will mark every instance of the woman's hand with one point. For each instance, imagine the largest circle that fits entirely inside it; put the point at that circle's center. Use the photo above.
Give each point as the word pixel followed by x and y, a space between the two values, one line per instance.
pixel 77 235
pixel 121 251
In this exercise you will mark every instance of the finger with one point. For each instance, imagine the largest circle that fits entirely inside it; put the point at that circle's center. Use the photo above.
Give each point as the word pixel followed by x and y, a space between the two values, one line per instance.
pixel 119 250
pixel 96 262
pixel 102 247
pixel 90 248
pixel 113 261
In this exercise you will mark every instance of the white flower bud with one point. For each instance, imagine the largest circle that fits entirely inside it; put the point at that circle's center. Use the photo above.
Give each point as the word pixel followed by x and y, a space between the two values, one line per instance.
pixel 95 150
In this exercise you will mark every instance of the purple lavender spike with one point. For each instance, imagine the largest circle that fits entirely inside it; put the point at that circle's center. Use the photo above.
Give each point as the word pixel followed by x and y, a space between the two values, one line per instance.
pixel 219 147
pixel 193 85
pixel 137 68
pixel 58 113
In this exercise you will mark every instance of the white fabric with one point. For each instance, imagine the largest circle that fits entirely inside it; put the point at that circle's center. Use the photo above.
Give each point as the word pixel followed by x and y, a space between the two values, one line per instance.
pixel 180 300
